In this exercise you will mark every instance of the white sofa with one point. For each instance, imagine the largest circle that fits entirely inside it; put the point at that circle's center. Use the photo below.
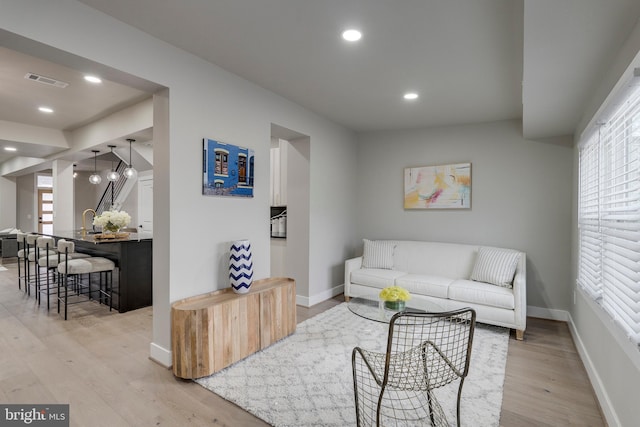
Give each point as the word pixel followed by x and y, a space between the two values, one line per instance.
pixel 442 273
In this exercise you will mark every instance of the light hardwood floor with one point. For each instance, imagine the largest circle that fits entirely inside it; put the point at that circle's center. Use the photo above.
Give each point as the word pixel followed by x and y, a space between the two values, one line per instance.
pixel 98 363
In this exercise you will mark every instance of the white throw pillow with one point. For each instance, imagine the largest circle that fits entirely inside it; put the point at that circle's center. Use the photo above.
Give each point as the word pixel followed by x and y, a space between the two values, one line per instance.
pixel 378 254
pixel 495 266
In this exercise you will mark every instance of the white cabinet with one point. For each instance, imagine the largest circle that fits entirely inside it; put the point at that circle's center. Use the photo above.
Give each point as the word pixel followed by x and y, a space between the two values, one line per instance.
pixel 278 178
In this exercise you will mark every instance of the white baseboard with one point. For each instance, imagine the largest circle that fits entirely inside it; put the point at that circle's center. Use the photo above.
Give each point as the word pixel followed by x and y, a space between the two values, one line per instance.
pixel 548 313
pixel 318 298
pixel 302 301
pixel 160 355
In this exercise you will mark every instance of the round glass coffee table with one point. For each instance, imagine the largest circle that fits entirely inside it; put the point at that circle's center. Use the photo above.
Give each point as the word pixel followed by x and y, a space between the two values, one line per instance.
pixel 374 309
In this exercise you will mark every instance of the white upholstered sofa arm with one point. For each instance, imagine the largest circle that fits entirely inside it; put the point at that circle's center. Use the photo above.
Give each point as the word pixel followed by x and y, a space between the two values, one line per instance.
pixel 520 295
pixel 350 265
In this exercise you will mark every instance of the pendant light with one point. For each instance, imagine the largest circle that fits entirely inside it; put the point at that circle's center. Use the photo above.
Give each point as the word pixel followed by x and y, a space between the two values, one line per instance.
pixel 95 178
pixel 130 172
pixel 113 175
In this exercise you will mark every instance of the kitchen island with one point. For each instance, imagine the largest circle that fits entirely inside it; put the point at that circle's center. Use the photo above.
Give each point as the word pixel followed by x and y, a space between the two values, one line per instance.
pixel 132 279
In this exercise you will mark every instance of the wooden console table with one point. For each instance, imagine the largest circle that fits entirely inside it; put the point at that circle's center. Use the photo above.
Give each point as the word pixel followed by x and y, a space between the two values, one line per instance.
pixel 210 332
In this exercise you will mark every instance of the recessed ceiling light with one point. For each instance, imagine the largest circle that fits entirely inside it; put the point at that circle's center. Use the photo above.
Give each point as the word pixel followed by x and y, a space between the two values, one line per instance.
pixel 352 35
pixel 45 109
pixel 93 79
pixel 10 149
pixel 410 96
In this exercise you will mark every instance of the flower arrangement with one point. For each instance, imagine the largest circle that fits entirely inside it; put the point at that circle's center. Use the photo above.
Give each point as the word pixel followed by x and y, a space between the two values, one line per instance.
pixel 112 220
pixel 395 293
pixel 395 298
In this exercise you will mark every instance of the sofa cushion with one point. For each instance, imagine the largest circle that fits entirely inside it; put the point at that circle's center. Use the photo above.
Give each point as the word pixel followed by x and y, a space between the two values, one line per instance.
pixel 377 254
pixel 495 266
pixel 482 293
pixel 425 284
pixel 438 259
pixel 375 277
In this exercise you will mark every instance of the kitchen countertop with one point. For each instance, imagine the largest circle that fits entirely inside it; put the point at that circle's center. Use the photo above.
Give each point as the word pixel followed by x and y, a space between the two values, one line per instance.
pixel 91 237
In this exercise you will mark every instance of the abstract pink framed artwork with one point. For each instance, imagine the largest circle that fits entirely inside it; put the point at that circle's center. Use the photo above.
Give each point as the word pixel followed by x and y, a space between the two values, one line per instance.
pixel 438 187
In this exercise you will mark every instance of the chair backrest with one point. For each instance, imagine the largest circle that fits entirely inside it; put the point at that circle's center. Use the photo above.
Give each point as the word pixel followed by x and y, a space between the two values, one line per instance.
pixel 21 239
pixel 45 242
pixel 429 350
pixel 66 247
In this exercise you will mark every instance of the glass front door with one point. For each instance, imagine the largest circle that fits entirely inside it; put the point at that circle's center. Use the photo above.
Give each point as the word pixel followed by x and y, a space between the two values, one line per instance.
pixel 45 211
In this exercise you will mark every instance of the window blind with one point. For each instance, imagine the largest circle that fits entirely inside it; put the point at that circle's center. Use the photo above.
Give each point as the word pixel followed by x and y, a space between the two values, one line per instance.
pixel 589 271
pixel 609 215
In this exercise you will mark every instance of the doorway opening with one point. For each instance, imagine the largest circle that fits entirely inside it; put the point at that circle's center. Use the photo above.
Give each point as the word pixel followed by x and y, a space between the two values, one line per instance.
pixel 290 201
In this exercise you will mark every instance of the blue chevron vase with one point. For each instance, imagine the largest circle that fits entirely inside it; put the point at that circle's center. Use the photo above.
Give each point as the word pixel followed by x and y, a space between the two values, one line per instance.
pixel 240 266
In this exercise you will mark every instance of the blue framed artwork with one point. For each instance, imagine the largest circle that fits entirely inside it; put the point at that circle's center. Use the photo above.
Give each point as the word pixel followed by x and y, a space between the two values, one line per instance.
pixel 227 170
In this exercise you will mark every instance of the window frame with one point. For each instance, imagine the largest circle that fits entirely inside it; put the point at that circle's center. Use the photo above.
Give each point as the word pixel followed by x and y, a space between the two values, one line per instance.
pixel 609 231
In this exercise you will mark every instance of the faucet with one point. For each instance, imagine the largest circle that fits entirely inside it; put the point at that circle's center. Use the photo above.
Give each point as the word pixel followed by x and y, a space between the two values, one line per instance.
pixel 84 220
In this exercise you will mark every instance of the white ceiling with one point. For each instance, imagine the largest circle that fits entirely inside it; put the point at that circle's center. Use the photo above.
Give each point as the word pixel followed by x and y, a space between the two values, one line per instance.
pixel 463 57
pixel 471 61
pixel 568 46
pixel 75 105
pixel 466 58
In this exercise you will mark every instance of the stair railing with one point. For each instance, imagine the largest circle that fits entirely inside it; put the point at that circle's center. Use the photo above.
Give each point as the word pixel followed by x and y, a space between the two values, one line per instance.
pixel 112 191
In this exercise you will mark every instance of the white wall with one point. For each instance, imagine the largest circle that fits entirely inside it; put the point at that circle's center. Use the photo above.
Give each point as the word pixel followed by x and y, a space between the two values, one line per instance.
pixel 278 258
pixel 63 195
pixel 521 197
pixel 85 198
pixel 206 101
pixel 296 253
pixel 130 205
pixel 7 210
pixel 611 360
pixel 26 202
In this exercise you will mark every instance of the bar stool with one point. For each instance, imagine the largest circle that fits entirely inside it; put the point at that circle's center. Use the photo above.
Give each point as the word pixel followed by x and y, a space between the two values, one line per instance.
pixel 76 268
pixel 33 252
pixel 44 244
pixel 21 239
pixel 26 255
pixel 48 258
pixel 27 240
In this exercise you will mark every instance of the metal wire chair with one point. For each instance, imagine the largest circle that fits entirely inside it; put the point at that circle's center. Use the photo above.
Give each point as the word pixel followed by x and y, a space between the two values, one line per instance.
pixel 425 351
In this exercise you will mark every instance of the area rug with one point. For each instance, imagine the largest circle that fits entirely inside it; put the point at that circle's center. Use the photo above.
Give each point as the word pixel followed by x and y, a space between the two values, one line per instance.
pixel 306 379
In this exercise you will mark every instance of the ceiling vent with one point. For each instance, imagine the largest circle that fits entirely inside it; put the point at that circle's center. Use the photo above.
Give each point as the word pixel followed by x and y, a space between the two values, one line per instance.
pixel 45 80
